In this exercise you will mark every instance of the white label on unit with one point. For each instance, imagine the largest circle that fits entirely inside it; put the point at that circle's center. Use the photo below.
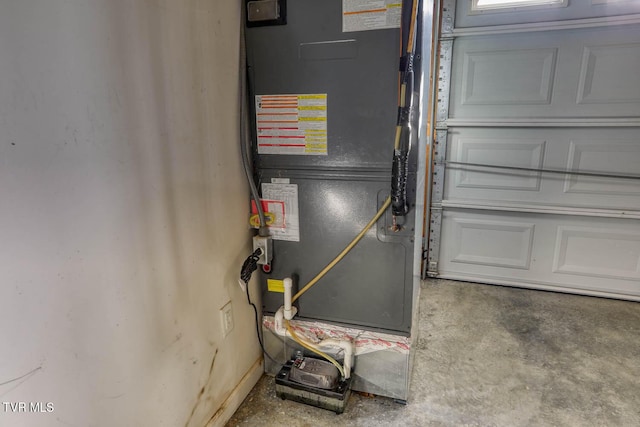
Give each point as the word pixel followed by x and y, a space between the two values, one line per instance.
pixel 288 193
pixel 364 15
pixel 292 124
pixel 280 181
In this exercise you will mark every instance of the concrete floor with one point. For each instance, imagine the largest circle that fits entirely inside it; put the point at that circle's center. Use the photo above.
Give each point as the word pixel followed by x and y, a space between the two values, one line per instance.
pixel 497 356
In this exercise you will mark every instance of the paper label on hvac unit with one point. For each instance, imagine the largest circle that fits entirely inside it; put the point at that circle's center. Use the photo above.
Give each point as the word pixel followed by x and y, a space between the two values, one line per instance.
pixel 287 193
pixel 292 124
pixel 364 15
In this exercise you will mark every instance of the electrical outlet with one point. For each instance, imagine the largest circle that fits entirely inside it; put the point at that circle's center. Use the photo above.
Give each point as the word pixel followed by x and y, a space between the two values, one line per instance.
pixel 226 317
pixel 266 245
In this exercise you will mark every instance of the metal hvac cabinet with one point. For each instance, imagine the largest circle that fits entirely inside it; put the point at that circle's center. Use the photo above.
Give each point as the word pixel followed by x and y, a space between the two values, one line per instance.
pixel 355 74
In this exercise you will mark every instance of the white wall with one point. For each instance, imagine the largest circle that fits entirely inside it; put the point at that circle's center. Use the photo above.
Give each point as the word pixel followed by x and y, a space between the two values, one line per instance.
pixel 122 212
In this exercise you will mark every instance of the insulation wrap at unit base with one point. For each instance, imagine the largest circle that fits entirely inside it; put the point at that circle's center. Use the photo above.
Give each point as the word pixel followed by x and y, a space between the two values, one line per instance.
pixel 364 341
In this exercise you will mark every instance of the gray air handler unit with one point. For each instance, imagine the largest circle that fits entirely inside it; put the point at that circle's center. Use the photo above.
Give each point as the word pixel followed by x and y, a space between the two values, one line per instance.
pixel 332 115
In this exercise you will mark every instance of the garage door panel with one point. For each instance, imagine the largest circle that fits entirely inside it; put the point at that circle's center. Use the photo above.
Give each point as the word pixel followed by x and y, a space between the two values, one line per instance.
pixel 608 253
pixel 607 156
pixel 589 73
pixel 536 178
pixel 508 77
pixel 596 255
pixel 521 152
pixel 609 74
pixel 580 9
pixel 591 150
pixel 470 237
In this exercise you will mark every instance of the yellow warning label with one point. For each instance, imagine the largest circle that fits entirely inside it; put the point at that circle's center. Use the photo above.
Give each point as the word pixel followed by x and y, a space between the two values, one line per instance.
pixel 275 285
pixel 312 107
pixel 318 96
pixel 312 119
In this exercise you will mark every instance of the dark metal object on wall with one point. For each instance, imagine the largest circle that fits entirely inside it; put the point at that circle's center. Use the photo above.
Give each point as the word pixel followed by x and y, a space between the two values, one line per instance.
pixel 262 13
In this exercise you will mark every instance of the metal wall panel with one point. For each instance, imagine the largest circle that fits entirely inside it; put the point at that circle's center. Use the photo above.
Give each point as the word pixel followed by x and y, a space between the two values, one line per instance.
pixel 361 85
pixel 339 193
pixel 372 286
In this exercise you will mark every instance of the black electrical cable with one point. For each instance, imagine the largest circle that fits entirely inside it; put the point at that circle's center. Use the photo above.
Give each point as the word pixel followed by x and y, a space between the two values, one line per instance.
pixel 399 175
pixel 255 311
pixel 406 109
pixel 248 267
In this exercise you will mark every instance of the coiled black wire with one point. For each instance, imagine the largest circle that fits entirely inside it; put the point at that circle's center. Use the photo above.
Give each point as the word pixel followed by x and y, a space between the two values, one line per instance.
pixel 248 267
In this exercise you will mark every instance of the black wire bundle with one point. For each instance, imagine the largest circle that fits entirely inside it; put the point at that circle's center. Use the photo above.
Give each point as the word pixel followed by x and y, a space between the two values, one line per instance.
pixel 406 109
pixel 399 175
pixel 248 267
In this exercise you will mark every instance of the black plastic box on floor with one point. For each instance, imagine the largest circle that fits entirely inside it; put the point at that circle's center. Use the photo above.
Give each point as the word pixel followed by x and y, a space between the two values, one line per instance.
pixel 333 400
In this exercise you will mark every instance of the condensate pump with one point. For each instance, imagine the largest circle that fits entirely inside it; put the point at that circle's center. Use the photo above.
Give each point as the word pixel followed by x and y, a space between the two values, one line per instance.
pixel 314 382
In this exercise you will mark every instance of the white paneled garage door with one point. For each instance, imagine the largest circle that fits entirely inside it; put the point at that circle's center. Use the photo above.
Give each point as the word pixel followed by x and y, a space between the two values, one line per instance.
pixel 536 176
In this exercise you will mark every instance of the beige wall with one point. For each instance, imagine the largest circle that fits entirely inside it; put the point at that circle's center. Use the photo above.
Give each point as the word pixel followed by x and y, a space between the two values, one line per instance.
pixel 122 212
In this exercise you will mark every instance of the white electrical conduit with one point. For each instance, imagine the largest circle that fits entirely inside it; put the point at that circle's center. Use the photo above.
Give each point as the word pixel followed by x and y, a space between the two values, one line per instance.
pixel 289 312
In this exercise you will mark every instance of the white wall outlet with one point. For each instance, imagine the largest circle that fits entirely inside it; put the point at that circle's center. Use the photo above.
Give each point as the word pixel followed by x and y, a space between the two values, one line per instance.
pixel 265 243
pixel 226 318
